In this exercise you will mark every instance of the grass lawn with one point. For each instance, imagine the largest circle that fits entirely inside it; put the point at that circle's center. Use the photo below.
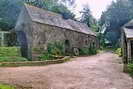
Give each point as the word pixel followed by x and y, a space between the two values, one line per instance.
pixel 9 51
pixel 11 54
pixel 12 59
pixel 3 86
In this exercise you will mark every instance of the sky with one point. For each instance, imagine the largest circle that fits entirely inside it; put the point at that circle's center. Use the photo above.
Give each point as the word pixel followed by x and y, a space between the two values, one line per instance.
pixel 96 6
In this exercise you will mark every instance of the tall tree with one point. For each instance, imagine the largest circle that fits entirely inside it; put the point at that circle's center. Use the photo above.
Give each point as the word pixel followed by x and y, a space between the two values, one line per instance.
pixel 86 16
pixel 58 6
pixel 117 14
pixel 38 3
pixel 10 9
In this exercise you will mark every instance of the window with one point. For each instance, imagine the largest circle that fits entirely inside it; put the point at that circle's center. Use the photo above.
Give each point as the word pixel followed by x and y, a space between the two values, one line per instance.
pixel 93 45
pixel 86 42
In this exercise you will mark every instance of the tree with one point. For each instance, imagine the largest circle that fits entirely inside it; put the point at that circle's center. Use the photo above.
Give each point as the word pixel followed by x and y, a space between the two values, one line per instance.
pixel 64 11
pixel 86 16
pixel 117 14
pixel 10 9
pixel 38 3
pixel 58 6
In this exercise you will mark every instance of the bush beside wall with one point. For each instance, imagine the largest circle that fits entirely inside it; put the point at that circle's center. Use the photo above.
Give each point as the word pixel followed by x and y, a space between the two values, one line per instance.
pixel 55 49
pixel 118 51
pixel 88 51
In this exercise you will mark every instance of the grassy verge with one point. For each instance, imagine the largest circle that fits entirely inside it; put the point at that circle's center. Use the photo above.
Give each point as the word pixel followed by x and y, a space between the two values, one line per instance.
pixel 34 63
pixel 10 51
pixel 11 54
pixel 12 59
pixel 130 69
pixel 4 86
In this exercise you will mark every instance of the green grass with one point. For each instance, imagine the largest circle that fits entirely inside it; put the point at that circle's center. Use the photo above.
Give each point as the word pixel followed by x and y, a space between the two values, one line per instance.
pixel 12 59
pixel 3 86
pixel 9 51
pixel 130 69
pixel 11 54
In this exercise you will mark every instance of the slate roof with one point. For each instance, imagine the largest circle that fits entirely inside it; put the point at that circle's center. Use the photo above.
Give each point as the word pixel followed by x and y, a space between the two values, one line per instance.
pixel 80 27
pixel 54 19
pixel 130 23
pixel 128 29
pixel 128 32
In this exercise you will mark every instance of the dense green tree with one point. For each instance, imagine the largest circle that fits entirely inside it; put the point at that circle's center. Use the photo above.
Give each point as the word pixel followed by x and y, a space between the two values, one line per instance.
pixel 64 11
pixel 10 9
pixel 58 6
pixel 38 3
pixel 87 18
pixel 117 14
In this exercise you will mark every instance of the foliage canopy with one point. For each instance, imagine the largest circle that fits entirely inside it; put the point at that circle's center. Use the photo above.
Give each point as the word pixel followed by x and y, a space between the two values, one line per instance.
pixel 10 9
pixel 117 14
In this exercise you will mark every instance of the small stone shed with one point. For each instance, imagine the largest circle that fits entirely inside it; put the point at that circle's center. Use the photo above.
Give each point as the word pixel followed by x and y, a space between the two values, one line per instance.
pixel 36 28
pixel 127 42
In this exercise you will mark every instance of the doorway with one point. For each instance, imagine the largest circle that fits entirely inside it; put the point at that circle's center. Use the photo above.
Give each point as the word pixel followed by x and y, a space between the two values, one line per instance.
pixel 132 49
pixel 67 46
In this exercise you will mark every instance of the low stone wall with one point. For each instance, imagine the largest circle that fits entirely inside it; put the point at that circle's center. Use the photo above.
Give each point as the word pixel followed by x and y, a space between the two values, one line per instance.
pixel 34 63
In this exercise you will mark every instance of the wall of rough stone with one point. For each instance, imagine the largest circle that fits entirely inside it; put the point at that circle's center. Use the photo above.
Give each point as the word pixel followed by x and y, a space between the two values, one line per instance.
pixel 44 34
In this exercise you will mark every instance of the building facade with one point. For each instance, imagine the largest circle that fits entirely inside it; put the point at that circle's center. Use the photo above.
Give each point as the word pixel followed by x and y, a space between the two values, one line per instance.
pixel 36 28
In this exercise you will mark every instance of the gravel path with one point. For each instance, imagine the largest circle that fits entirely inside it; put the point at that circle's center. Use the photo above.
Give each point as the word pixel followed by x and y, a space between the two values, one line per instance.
pixel 102 71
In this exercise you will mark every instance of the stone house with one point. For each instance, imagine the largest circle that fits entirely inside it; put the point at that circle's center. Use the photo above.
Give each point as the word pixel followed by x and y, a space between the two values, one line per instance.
pixel 36 28
pixel 127 42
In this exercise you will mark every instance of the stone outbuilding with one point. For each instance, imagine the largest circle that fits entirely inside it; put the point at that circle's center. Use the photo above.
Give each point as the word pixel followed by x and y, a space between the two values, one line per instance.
pixel 127 42
pixel 37 27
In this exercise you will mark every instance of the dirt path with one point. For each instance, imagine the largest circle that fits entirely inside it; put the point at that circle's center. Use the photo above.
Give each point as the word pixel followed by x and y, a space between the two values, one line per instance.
pixel 102 71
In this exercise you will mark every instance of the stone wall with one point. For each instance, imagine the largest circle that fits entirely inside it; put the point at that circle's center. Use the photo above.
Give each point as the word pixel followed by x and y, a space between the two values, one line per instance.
pixel 44 34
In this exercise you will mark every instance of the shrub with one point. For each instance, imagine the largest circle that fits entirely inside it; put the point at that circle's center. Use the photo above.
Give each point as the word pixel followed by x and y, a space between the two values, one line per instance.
pixel 53 49
pixel 56 48
pixel 84 51
pixel 46 56
pixel 119 52
pixel 88 51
